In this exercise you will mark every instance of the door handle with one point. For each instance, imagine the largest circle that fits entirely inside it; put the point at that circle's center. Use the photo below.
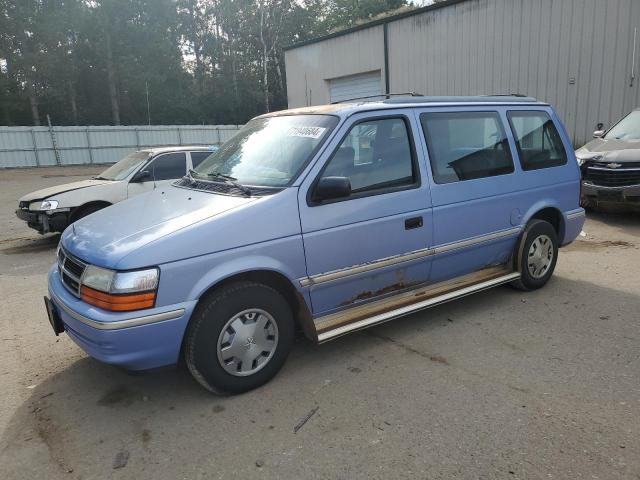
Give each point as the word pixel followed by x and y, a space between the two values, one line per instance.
pixel 415 222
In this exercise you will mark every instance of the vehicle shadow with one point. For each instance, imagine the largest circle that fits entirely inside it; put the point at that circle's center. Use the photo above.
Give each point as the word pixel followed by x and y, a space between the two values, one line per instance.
pixel 28 245
pixel 86 415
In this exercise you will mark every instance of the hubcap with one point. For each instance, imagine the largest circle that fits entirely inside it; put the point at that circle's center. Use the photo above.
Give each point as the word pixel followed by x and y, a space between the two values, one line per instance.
pixel 540 256
pixel 247 342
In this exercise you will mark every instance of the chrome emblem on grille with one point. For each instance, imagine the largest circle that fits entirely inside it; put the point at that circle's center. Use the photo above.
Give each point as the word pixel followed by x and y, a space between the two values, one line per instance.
pixel 614 165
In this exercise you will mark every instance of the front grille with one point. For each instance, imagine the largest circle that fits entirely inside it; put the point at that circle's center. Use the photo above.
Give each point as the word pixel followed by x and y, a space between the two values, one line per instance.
pixel 599 173
pixel 23 205
pixel 71 270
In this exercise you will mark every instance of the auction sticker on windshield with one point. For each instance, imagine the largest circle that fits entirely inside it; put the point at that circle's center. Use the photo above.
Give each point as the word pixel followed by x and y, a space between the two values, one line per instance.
pixel 307 132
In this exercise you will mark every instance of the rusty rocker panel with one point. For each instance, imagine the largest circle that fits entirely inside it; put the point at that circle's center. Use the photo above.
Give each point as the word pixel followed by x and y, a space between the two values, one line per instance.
pixel 355 318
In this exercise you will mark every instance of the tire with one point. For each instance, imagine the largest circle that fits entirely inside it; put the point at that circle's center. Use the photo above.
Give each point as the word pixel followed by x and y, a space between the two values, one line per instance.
pixel 240 323
pixel 84 211
pixel 536 254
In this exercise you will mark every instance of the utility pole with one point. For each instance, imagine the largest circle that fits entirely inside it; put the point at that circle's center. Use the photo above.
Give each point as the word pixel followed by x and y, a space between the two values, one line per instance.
pixel 146 86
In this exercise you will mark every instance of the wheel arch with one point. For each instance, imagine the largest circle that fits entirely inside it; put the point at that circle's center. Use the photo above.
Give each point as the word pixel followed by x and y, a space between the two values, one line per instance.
pixel 78 210
pixel 279 282
pixel 549 213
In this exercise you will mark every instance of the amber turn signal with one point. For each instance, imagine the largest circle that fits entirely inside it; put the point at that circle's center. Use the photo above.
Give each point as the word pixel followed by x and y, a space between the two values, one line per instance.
pixel 118 303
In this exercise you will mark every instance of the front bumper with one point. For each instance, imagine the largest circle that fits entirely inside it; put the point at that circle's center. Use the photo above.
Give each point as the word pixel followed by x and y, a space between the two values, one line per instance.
pixel 137 340
pixel 600 194
pixel 55 221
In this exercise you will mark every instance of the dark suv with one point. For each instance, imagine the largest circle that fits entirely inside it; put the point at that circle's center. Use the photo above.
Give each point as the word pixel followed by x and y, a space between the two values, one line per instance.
pixel 610 164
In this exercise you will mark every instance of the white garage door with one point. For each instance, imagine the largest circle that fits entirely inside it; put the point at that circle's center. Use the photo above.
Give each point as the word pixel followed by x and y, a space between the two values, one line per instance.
pixel 355 86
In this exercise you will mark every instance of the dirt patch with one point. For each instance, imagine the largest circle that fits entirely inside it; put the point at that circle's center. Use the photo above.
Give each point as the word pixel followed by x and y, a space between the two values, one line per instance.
pixel 119 396
pixel 592 245
pixel 434 358
pixel 49 433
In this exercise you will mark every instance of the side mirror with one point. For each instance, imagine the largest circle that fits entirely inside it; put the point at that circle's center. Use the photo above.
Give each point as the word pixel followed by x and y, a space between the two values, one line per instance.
pixel 598 134
pixel 141 176
pixel 330 188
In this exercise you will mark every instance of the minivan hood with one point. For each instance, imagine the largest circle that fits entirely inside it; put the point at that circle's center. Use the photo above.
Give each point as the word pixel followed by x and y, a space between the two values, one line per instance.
pixel 67 187
pixel 109 234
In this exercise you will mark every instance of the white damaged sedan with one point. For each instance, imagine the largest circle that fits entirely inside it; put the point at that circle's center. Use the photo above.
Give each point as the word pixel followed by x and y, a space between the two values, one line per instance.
pixel 53 209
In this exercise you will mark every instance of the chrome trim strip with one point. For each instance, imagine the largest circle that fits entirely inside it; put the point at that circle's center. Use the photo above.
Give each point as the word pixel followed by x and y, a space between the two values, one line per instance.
pixel 383 262
pixel 475 240
pixel 609 169
pixel 385 317
pixel 131 322
pixel 416 254
pixel 574 215
pixel 589 183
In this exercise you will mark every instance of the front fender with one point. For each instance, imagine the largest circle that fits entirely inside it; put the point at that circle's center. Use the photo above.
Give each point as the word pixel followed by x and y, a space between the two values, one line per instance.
pixel 188 279
pixel 112 192
pixel 232 268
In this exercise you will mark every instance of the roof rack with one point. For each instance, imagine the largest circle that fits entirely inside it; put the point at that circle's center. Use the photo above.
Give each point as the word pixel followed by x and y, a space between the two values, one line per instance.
pixel 506 98
pixel 387 95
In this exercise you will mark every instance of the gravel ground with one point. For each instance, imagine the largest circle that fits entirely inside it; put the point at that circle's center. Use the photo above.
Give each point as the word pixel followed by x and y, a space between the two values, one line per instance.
pixel 502 384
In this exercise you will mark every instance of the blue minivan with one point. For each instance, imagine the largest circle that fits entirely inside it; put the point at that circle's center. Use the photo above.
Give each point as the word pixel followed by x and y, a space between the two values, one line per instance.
pixel 325 219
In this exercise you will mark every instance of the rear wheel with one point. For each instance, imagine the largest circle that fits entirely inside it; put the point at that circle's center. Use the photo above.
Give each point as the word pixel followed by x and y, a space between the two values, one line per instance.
pixel 239 337
pixel 538 254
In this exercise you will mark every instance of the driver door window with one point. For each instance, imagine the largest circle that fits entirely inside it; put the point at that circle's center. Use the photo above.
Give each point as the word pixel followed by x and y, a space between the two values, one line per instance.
pixel 168 166
pixel 375 155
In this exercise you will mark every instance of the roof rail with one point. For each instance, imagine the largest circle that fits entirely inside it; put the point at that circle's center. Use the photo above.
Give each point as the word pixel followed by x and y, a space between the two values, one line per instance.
pixel 465 99
pixel 387 95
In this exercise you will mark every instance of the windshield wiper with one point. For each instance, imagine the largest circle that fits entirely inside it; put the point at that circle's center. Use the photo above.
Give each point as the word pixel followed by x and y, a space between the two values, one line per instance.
pixel 232 181
pixel 98 177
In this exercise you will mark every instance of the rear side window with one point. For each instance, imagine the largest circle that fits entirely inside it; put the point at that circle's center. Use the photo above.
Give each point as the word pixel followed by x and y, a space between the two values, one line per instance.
pixel 375 154
pixel 198 157
pixel 466 145
pixel 538 141
pixel 169 166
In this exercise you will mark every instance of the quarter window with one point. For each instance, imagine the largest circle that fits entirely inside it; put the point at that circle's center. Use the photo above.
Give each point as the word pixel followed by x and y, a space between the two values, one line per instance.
pixel 466 145
pixel 198 157
pixel 375 154
pixel 538 141
pixel 168 166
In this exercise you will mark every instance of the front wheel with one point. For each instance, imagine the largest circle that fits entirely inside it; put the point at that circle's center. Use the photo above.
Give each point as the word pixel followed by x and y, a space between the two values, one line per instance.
pixel 537 255
pixel 239 337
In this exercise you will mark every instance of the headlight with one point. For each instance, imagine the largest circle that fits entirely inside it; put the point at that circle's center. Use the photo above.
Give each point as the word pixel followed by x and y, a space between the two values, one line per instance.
pixel 98 278
pixel 43 205
pixel 119 291
pixel 583 157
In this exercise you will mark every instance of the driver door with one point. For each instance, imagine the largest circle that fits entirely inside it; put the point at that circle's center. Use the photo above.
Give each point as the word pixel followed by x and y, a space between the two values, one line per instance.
pixel 163 169
pixel 374 242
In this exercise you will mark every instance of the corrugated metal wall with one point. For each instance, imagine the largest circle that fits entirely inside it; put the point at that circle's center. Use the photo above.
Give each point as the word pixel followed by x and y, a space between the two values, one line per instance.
pixel 34 146
pixel 310 68
pixel 575 54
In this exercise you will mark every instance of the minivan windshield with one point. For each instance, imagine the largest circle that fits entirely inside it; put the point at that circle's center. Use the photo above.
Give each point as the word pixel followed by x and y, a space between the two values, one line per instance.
pixel 123 168
pixel 268 151
pixel 626 129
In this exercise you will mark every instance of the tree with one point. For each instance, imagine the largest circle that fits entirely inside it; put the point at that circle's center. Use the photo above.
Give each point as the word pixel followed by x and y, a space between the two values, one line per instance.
pixel 203 61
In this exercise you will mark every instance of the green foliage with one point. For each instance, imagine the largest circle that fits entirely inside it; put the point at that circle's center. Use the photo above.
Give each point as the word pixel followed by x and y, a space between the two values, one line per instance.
pixel 201 61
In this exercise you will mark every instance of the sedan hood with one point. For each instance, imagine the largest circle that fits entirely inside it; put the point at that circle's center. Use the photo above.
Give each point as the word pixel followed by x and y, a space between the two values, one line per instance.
pixel 67 187
pixel 106 236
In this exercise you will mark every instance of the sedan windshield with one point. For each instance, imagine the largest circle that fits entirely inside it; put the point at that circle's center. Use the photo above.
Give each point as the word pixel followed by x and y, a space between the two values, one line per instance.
pixel 126 166
pixel 626 129
pixel 268 151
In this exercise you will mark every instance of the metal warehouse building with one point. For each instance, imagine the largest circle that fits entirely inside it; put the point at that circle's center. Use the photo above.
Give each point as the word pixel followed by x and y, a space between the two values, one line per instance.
pixel 582 56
